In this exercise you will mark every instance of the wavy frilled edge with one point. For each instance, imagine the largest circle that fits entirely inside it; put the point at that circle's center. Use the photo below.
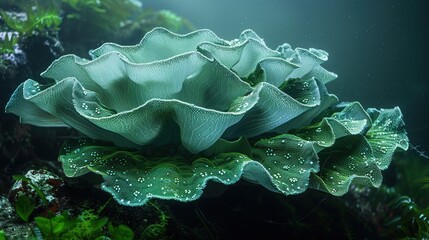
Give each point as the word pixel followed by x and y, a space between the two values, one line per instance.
pixel 243 55
pixel 348 146
pixel 102 99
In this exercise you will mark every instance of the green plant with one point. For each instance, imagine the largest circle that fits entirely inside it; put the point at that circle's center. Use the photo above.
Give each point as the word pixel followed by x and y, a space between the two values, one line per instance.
pixel 180 110
pixel 7 44
pixel 52 227
pixel 38 20
pixel 409 204
pixel 117 13
pixel 167 19
pixel 146 19
pixel 425 182
pixel 401 209
pixel 412 221
pixel 120 232
pixel 2 235
pixel 159 229
pixel 87 225
pixel 24 206
pixel 81 5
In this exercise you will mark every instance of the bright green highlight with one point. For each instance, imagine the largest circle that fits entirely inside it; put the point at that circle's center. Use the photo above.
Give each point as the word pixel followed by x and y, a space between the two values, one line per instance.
pixel 337 146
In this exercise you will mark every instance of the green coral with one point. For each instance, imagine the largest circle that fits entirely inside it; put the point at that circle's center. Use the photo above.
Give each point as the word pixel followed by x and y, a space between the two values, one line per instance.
pixel 185 109
pixel 285 163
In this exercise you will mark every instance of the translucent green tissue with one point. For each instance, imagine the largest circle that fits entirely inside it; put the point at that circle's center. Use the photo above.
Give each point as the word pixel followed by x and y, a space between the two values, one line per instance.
pixel 163 117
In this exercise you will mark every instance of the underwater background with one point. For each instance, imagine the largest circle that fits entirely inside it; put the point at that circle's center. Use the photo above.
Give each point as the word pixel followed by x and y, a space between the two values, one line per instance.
pixel 379 49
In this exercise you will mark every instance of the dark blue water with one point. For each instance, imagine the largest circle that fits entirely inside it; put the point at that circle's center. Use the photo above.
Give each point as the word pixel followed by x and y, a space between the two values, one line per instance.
pixel 379 49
